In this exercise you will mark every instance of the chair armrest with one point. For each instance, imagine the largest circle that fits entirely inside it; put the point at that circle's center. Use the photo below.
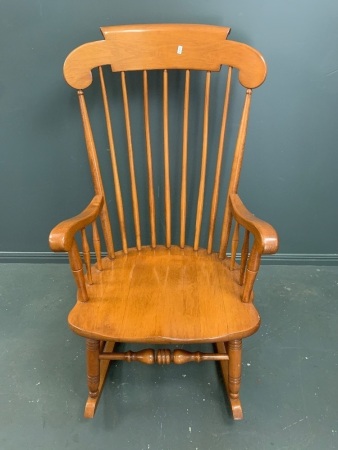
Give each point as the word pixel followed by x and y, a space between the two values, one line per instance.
pixel 265 241
pixel 62 236
pixel 265 235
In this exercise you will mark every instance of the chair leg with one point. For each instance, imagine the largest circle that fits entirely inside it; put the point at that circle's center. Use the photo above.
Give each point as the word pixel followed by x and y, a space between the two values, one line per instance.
pixel 96 374
pixel 231 371
pixel 93 367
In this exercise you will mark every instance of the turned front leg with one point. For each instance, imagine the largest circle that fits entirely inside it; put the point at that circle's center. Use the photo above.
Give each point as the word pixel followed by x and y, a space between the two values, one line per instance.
pixel 93 367
pixel 235 367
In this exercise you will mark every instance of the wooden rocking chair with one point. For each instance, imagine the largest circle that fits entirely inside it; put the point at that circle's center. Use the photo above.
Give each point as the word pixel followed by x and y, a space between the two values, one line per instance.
pixel 165 275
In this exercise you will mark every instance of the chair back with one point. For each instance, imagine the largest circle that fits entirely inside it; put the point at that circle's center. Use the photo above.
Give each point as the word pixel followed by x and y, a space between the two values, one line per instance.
pixel 171 103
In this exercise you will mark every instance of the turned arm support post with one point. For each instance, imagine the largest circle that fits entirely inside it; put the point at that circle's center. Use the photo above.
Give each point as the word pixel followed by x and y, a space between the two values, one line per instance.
pixel 265 241
pixel 62 239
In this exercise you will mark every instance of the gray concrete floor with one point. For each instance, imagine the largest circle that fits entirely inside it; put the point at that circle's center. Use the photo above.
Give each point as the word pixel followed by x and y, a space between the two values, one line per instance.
pixel 290 374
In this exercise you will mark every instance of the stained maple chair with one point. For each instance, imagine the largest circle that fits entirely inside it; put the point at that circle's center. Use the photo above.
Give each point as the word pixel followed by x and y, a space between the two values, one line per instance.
pixel 171 278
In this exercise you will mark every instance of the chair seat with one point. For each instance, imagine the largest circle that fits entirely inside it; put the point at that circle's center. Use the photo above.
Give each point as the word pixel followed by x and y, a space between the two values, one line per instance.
pixel 164 296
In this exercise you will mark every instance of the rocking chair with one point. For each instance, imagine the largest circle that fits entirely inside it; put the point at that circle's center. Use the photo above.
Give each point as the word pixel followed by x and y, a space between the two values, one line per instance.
pixel 181 269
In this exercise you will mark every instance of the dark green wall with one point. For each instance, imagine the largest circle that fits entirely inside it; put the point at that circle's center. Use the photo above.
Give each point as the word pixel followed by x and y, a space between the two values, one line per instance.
pixel 290 173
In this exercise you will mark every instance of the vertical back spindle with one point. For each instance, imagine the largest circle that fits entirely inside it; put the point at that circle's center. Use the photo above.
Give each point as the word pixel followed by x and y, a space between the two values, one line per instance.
pixel 215 194
pixel 235 172
pixel 167 199
pixel 200 201
pixel 131 163
pixel 184 158
pixel 151 195
pixel 96 174
pixel 119 201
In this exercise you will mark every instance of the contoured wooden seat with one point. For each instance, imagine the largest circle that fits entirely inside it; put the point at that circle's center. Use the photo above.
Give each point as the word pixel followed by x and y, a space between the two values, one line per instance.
pixel 165 275
pixel 181 295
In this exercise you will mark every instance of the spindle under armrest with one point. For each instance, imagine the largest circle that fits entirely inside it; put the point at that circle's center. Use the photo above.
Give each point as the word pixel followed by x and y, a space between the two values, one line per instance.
pixel 265 241
pixel 265 235
pixel 62 236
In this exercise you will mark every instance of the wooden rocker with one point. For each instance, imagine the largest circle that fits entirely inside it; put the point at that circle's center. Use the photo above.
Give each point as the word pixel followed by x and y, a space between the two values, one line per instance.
pixel 181 269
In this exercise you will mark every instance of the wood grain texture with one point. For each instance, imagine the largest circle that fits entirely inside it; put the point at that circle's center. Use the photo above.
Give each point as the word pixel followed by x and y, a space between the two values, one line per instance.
pixel 149 47
pixel 172 295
